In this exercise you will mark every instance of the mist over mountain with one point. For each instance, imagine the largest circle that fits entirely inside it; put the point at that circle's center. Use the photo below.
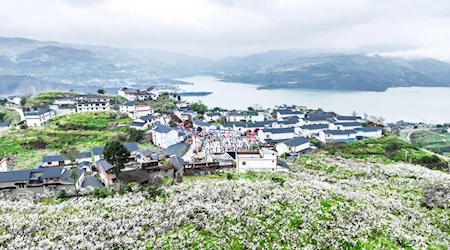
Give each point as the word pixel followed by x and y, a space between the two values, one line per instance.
pixel 296 69
pixel 46 65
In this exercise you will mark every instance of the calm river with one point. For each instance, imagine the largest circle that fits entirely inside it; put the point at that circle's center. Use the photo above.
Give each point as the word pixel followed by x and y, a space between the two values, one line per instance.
pixel 415 104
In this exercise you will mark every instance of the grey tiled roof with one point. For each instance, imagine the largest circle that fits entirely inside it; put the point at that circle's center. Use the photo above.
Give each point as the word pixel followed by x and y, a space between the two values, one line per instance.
pixel 278 130
pixel 51 158
pixel 296 141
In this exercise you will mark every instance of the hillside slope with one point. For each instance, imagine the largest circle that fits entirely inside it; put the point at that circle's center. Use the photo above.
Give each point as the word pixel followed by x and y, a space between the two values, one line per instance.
pixel 327 203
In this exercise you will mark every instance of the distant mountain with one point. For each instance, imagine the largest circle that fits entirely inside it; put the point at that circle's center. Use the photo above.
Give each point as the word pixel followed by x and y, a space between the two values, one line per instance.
pixel 281 69
pixel 86 65
pixel 54 64
pixel 22 85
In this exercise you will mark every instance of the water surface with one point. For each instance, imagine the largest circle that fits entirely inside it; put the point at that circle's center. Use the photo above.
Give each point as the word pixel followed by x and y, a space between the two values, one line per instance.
pixel 415 104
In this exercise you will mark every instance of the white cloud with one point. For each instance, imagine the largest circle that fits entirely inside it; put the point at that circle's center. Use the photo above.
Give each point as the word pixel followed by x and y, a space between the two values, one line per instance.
pixel 218 28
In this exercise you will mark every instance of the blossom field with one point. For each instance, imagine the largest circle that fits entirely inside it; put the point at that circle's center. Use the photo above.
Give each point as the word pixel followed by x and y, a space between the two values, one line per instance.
pixel 326 203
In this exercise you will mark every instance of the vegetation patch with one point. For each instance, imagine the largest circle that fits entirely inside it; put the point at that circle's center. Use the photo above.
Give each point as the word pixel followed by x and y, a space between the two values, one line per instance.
pixel 389 147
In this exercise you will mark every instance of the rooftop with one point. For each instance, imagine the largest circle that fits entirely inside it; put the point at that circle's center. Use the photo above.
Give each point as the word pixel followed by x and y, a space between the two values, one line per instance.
pixel 340 132
pixel 296 141
pixel 278 130
pixel 98 151
pixel 52 158
pixel 348 124
pixel 314 127
pixel 37 112
pixel 348 118
pixel 162 129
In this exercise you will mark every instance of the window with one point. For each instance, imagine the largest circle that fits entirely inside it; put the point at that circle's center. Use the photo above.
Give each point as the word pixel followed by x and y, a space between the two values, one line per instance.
pixel 61 163
pixel 49 163
pixel 244 163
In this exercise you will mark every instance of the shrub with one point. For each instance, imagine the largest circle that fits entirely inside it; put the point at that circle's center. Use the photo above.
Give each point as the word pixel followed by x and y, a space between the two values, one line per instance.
pixel 101 193
pixel 62 194
pixel 132 187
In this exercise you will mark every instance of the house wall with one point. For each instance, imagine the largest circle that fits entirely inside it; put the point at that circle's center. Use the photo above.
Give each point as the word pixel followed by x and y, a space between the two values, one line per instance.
pixel 36 120
pixel 372 134
pixel 342 127
pixel 282 136
pixel 62 111
pixel 282 148
pixel 91 107
pixel 248 162
pixel 55 163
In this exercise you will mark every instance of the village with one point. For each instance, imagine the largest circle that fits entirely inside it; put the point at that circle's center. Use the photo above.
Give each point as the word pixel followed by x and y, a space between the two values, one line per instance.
pixel 189 140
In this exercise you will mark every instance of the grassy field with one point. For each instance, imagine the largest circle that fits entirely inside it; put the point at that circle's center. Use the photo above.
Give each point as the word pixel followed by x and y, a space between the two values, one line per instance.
pixel 81 131
pixel 387 149
pixel 436 140
pixel 42 100
pixel 7 115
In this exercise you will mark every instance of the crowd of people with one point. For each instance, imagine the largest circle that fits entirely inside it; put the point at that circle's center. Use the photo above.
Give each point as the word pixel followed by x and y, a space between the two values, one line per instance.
pixel 222 143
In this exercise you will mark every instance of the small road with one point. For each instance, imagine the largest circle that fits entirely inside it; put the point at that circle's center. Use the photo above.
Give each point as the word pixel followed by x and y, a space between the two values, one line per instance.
pixel 408 138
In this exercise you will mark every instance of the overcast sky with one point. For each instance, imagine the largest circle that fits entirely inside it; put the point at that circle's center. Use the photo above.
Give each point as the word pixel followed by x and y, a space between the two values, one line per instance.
pixel 218 28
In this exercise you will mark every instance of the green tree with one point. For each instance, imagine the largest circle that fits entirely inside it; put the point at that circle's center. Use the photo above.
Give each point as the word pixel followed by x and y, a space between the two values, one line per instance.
pixel 250 109
pixel 199 107
pixel 215 109
pixel 179 98
pixel 135 135
pixel 116 153
pixel 74 177
pixel 23 100
pixel 101 91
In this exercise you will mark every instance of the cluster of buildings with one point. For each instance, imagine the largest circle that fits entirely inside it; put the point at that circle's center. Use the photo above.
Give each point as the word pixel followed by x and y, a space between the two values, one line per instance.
pixel 76 104
pixel 284 130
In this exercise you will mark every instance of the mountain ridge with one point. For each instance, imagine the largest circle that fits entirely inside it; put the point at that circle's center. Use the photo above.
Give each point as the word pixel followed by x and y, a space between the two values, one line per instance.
pixel 108 67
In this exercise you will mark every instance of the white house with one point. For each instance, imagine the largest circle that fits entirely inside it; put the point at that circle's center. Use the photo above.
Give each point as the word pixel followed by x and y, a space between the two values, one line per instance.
pixel 92 103
pixel 164 136
pixel 63 106
pixel 14 99
pixel 55 161
pixel 98 153
pixel 318 119
pixel 372 132
pixel 292 122
pixel 310 130
pixel 83 157
pixel 136 110
pixel 276 134
pixel 347 125
pixel 264 160
pixel 201 124
pixel 337 136
pixel 185 114
pixel 293 145
pixel 343 119
pixel 38 117
pixel 212 117
pixel 182 104
pixel 105 171
pixel 287 112
pixel 247 117
pixel 136 94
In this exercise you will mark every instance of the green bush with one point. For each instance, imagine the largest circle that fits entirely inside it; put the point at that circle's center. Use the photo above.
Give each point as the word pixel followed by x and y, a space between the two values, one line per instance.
pixel 101 192
pixel 62 194
pixel 132 187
